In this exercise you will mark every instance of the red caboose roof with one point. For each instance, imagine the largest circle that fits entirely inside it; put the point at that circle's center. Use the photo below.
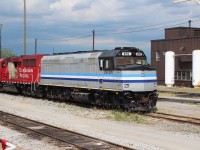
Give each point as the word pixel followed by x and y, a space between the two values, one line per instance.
pixel 2 59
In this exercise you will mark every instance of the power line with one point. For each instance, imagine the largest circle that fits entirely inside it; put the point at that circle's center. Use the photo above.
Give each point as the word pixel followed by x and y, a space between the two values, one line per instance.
pixel 107 24
pixel 66 40
pixel 60 38
pixel 125 32
pixel 138 27
pixel 20 46
pixel 151 24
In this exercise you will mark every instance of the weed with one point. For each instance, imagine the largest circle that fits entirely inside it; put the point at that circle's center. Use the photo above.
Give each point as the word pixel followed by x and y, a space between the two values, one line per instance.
pixel 62 105
pixel 127 117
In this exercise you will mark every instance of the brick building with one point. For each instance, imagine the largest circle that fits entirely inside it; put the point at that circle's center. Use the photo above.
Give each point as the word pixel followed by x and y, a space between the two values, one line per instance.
pixel 181 40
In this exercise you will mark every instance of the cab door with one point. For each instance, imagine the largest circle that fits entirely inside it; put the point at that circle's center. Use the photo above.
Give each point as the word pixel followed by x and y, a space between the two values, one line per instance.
pixel 101 74
pixel 107 78
pixel 4 71
pixel 0 71
pixel 119 79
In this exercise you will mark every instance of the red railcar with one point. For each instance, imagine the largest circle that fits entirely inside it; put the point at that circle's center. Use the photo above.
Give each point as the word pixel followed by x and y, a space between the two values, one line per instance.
pixel 21 71
pixel 2 67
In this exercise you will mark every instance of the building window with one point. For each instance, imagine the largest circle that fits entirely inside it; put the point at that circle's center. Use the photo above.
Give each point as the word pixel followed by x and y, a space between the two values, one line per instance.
pixel 196 32
pixel 164 53
pixel 157 55
pixel 183 75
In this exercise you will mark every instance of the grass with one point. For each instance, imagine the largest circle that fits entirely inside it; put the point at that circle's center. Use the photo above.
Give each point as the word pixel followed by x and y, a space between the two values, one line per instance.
pixel 117 115
pixel 127 116
pixel 62 105
pixel 167 94
pixel 179 89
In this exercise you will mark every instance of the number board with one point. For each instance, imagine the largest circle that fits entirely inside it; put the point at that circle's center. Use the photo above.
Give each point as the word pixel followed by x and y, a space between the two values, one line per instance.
pixel 126 53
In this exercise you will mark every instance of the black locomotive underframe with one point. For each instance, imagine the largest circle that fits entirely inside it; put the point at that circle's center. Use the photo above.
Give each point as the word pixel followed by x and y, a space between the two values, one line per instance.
pixel 128 100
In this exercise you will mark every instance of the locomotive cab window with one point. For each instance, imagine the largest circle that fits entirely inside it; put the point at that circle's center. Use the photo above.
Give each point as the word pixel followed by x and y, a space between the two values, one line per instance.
pixel 123 61
pixel 126 61
pixel 141 61
pixel 106 64
pixel 3 65
pixel 101 64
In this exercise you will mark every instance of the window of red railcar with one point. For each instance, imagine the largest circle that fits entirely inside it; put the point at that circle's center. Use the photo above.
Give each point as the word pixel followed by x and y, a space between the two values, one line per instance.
pixel 3 65
pixel 30 62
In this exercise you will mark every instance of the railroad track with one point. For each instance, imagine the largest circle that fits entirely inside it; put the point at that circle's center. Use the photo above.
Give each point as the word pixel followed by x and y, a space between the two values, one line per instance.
pixel 72 139
pixel 176 118
pixel 180 100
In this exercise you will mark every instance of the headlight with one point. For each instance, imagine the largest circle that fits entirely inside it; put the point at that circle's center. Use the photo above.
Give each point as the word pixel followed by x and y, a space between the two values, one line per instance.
pixel 155 84
pixel 142 74
pixel 126 85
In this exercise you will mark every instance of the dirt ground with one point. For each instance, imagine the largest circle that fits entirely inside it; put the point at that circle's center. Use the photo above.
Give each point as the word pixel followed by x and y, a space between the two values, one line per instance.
pixel 183 109
pixel 147 134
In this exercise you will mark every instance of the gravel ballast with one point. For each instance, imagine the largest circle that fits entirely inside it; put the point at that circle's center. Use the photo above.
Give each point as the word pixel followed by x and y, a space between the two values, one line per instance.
pixel 152 134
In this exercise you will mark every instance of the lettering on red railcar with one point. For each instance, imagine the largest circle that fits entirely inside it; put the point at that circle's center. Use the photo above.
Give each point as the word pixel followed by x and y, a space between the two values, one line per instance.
pixel 25 72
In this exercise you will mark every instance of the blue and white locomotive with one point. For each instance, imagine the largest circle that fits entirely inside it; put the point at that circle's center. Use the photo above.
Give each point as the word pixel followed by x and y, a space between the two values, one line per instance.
pixel 114 78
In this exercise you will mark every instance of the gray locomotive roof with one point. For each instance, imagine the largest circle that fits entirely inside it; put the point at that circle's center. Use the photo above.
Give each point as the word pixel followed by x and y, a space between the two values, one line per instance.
pixel 86 54
pixel 92 54
pixel 109 54
pixel 71 56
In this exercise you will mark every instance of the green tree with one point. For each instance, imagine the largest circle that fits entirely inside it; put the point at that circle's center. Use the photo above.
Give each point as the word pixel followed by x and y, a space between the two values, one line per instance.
pixel 6 53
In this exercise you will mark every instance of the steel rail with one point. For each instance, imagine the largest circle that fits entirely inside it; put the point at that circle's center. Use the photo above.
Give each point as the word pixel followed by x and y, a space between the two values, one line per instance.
pixel 177 118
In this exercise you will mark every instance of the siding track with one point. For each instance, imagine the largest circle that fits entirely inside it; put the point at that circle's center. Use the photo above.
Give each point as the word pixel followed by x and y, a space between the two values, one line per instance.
pixel 176 118
pixel 76 140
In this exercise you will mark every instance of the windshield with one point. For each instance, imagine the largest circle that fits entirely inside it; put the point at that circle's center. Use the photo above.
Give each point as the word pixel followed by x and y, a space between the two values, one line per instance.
pixel 123 61
pixel 141 61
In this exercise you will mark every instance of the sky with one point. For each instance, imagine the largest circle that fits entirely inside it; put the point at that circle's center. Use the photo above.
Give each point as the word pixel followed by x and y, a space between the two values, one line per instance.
pixel 67 25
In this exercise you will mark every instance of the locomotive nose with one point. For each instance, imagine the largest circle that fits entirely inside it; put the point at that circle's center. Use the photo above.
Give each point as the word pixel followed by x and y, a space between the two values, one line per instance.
pixel 149 78
pixel 140 81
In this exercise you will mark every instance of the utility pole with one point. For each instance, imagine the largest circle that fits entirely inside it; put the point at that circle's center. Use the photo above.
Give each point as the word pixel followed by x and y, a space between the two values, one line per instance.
pixel 93 32
pixel 24 27
pixel 1 25
pixel 179 1
pixel 35 45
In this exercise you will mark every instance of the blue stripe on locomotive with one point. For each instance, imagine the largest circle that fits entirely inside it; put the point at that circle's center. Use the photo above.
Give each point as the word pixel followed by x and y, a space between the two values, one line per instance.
pixel 104 80
pixel 99 75
pixel 50 76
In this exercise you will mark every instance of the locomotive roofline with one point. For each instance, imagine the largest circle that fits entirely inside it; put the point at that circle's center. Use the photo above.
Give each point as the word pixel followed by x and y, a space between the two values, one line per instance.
pixel 93 51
